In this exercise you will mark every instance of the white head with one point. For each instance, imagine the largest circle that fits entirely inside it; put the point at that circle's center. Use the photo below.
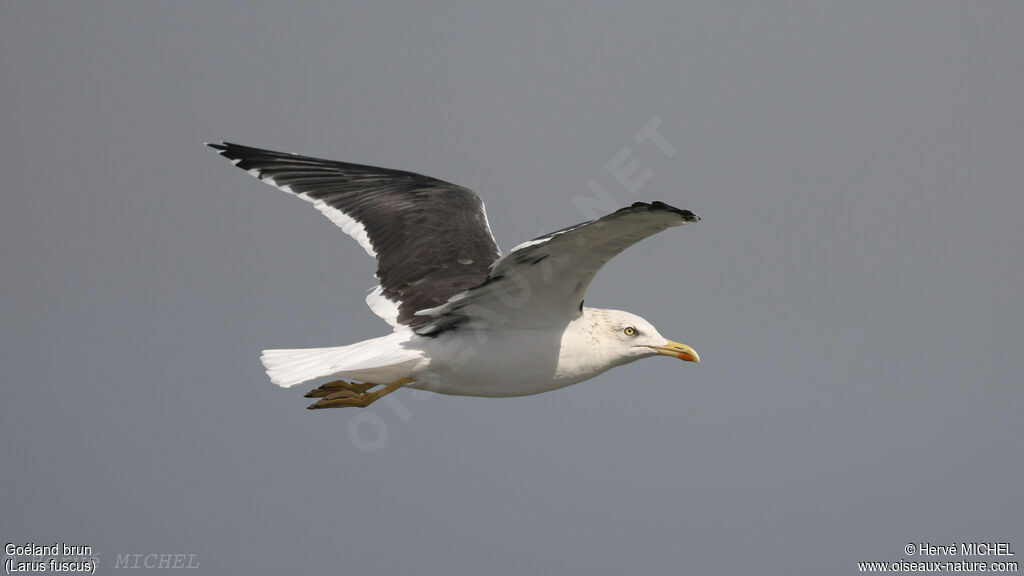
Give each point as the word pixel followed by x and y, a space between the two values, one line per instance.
pixel 621 337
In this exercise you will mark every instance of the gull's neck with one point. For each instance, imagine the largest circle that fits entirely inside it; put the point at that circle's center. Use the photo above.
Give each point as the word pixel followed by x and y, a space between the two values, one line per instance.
pixel 584 352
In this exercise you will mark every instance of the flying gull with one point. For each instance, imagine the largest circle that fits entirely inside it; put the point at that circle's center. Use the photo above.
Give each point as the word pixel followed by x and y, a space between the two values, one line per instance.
pixel 467 321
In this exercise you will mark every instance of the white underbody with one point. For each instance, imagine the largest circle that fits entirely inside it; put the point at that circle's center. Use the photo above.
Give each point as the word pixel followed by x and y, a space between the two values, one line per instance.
pixel 510 362
pixel 489 362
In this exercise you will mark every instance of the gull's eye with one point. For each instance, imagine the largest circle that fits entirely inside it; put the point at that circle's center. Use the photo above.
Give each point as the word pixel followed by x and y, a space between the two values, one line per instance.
pixel 629 331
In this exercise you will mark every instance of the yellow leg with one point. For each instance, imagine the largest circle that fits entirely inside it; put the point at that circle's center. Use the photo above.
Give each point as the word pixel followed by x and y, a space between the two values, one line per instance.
pixel 336 386
pixel 348 397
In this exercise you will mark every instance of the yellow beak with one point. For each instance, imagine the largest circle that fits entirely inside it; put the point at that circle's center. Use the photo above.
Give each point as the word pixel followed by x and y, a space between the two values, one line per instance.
pixel 681 351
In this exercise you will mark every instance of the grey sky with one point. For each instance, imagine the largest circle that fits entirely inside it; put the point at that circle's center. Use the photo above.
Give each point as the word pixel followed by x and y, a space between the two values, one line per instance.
pixel 853 290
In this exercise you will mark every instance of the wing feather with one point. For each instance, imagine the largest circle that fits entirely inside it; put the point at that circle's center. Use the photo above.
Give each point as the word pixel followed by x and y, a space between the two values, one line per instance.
pixel 543 281
pixel 431 239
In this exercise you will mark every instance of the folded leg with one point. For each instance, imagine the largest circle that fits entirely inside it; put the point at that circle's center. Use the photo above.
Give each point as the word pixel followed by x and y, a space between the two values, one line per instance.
pixel 347 396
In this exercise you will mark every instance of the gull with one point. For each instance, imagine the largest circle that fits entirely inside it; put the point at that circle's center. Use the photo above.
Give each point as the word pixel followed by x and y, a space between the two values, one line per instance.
pixel 466 319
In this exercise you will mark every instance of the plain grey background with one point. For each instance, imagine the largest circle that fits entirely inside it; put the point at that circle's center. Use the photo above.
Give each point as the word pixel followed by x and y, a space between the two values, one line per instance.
pixel 854 289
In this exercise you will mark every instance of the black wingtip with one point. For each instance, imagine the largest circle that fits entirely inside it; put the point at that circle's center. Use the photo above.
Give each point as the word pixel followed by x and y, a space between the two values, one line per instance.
pixel 241 153
pixel 686 214
pixel 661 206
pixel 238 153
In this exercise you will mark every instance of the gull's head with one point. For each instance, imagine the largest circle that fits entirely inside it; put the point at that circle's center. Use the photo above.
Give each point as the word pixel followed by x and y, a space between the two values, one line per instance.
pixel 627 337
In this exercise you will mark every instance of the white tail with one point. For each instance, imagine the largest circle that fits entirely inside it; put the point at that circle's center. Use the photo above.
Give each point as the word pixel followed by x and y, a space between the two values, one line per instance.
pixel 287 368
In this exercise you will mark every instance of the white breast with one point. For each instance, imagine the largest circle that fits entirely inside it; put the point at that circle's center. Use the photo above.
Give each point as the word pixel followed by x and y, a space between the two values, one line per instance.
pixel 508 362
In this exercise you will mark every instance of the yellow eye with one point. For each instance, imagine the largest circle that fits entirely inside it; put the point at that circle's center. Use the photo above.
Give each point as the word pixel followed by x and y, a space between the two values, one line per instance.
pixel 629 331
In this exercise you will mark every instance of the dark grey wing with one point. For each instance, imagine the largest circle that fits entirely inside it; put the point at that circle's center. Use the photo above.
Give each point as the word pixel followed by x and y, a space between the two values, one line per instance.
pixel 542 282
pixel 431 239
